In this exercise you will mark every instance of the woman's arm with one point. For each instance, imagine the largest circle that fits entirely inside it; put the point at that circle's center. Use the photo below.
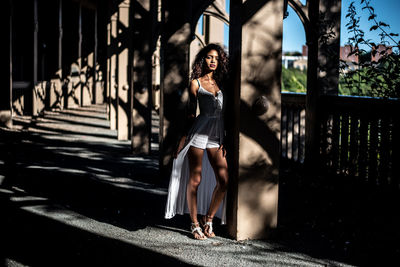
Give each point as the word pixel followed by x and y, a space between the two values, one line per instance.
pixel 192 105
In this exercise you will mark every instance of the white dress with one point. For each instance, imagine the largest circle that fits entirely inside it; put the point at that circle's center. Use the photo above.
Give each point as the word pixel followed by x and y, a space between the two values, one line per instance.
pixel 209 124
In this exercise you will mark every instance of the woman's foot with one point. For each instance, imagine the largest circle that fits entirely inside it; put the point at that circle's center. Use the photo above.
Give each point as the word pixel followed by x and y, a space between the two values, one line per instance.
pixel 197 232
pixel 208 226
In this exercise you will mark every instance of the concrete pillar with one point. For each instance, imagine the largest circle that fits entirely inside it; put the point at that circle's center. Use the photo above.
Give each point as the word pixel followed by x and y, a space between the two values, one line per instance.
pixel 71 54
pixel 57 99
pixel 79 90
pixel 123 97
pixel 142 75
pixel 35 59
pixel 174 95
pixel 22 57
pixel 113 79
pixel 329 46
pixel 323 69
pixel 108 69
pixel 87 56
pixel 156 75
pixel 98 87
pixel 50 20
pixel 215 26
pixel 6 92
pixel 253 123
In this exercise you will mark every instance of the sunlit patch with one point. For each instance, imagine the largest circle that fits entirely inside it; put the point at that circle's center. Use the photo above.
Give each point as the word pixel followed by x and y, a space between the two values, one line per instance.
pixel 61 169
pixel 27 198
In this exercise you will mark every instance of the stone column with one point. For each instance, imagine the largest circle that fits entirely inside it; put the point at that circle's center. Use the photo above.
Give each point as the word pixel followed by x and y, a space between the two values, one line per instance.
pixel 88 45
pixel 253 117
pixel 35 59
pixel 145 13
pixel 329 46
pixel 174 92
pixel 57 98
pixel 79 90
pixel 71 54
pixel 97 88
pixel 112 70
pixel 52 59
pixel 323 69
pixel 6 92
pixel 123 96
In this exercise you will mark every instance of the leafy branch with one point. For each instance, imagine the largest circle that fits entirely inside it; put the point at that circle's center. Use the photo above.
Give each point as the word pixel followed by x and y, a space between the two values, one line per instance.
pixel 378 78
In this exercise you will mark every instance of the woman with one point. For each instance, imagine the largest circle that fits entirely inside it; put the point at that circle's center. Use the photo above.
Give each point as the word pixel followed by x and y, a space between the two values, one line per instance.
pixel 199 174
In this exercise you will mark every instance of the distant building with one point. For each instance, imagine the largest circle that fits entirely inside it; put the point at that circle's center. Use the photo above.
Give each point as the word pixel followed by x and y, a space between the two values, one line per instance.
pixel 345 54
pixel 294 62
pixel 304 50
pixel 381 50
pixel 353 60
pixel 297 62
pixel 300 63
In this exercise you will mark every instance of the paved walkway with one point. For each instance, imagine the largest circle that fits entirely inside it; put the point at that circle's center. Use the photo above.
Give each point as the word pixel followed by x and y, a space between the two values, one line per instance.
pixel 74 195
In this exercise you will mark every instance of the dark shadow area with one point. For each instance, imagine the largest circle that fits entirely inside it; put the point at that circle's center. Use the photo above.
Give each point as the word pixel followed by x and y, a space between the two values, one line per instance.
pixel 335 217
pixel 96 179
pixel 47 242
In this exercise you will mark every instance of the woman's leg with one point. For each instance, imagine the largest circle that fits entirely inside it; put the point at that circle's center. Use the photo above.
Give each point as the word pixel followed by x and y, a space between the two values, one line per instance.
pixel 220 167
pixel 195 156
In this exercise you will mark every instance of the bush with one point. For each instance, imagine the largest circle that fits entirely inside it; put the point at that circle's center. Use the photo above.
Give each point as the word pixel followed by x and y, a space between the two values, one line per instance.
pixel 294 80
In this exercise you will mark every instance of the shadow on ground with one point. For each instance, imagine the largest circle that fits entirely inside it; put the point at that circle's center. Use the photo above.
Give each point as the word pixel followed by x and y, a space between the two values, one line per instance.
pixel 69 163
pixel 69 160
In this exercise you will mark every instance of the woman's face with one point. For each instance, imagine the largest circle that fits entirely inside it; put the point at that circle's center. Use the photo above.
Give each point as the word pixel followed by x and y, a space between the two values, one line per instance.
pixel 212 60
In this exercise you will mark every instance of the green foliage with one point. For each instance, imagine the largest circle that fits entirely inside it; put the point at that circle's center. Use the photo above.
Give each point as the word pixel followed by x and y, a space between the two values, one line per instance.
pixel 371 78
pixel 294 80
pixel 295 53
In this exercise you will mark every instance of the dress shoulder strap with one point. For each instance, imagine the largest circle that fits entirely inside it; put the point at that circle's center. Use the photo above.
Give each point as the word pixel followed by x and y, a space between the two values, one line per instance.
pixel 198 82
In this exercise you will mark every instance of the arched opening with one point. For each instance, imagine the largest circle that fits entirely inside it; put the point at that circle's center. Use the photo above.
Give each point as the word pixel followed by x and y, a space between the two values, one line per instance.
pixel 294 54
pixel 211 27
pixel 294 85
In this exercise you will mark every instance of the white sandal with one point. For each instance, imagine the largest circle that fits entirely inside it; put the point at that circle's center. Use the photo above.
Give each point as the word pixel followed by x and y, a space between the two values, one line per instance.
pixel 195 227
pixel 209 232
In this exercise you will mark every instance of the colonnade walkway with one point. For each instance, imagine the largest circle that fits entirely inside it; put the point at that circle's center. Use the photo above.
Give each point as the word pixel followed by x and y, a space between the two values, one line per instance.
pixel 71 194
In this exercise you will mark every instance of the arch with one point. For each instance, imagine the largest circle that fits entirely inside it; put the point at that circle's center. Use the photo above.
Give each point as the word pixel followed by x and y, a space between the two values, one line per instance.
pixel 196 36
pixel 302 11
pixel 223 17
pixel 219 14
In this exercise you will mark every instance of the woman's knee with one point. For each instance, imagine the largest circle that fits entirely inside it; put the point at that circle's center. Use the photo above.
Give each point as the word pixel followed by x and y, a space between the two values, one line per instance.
pixel 195 176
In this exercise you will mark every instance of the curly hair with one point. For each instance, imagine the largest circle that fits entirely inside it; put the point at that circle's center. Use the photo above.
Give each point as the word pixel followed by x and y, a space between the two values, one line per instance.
pixel 199 65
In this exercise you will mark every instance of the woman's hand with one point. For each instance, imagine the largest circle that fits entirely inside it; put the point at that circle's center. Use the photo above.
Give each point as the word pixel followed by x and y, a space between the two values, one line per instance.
pixel 180 146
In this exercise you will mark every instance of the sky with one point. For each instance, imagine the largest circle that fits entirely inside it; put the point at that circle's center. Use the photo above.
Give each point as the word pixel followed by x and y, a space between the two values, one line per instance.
pixel 387 11
pixel 294 36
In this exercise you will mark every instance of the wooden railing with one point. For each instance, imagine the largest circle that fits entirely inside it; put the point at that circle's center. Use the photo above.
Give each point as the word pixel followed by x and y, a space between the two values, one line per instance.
pixel 358 136
pixel 293 127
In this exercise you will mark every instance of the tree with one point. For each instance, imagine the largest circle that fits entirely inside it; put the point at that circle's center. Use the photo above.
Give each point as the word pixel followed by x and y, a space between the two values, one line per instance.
pixel 377 78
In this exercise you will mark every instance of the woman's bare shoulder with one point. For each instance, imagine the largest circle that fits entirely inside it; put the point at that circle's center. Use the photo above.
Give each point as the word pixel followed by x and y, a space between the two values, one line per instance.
pixel 194 86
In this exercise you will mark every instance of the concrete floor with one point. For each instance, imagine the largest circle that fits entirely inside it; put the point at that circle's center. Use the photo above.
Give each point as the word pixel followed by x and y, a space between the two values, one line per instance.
pixel 72 195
